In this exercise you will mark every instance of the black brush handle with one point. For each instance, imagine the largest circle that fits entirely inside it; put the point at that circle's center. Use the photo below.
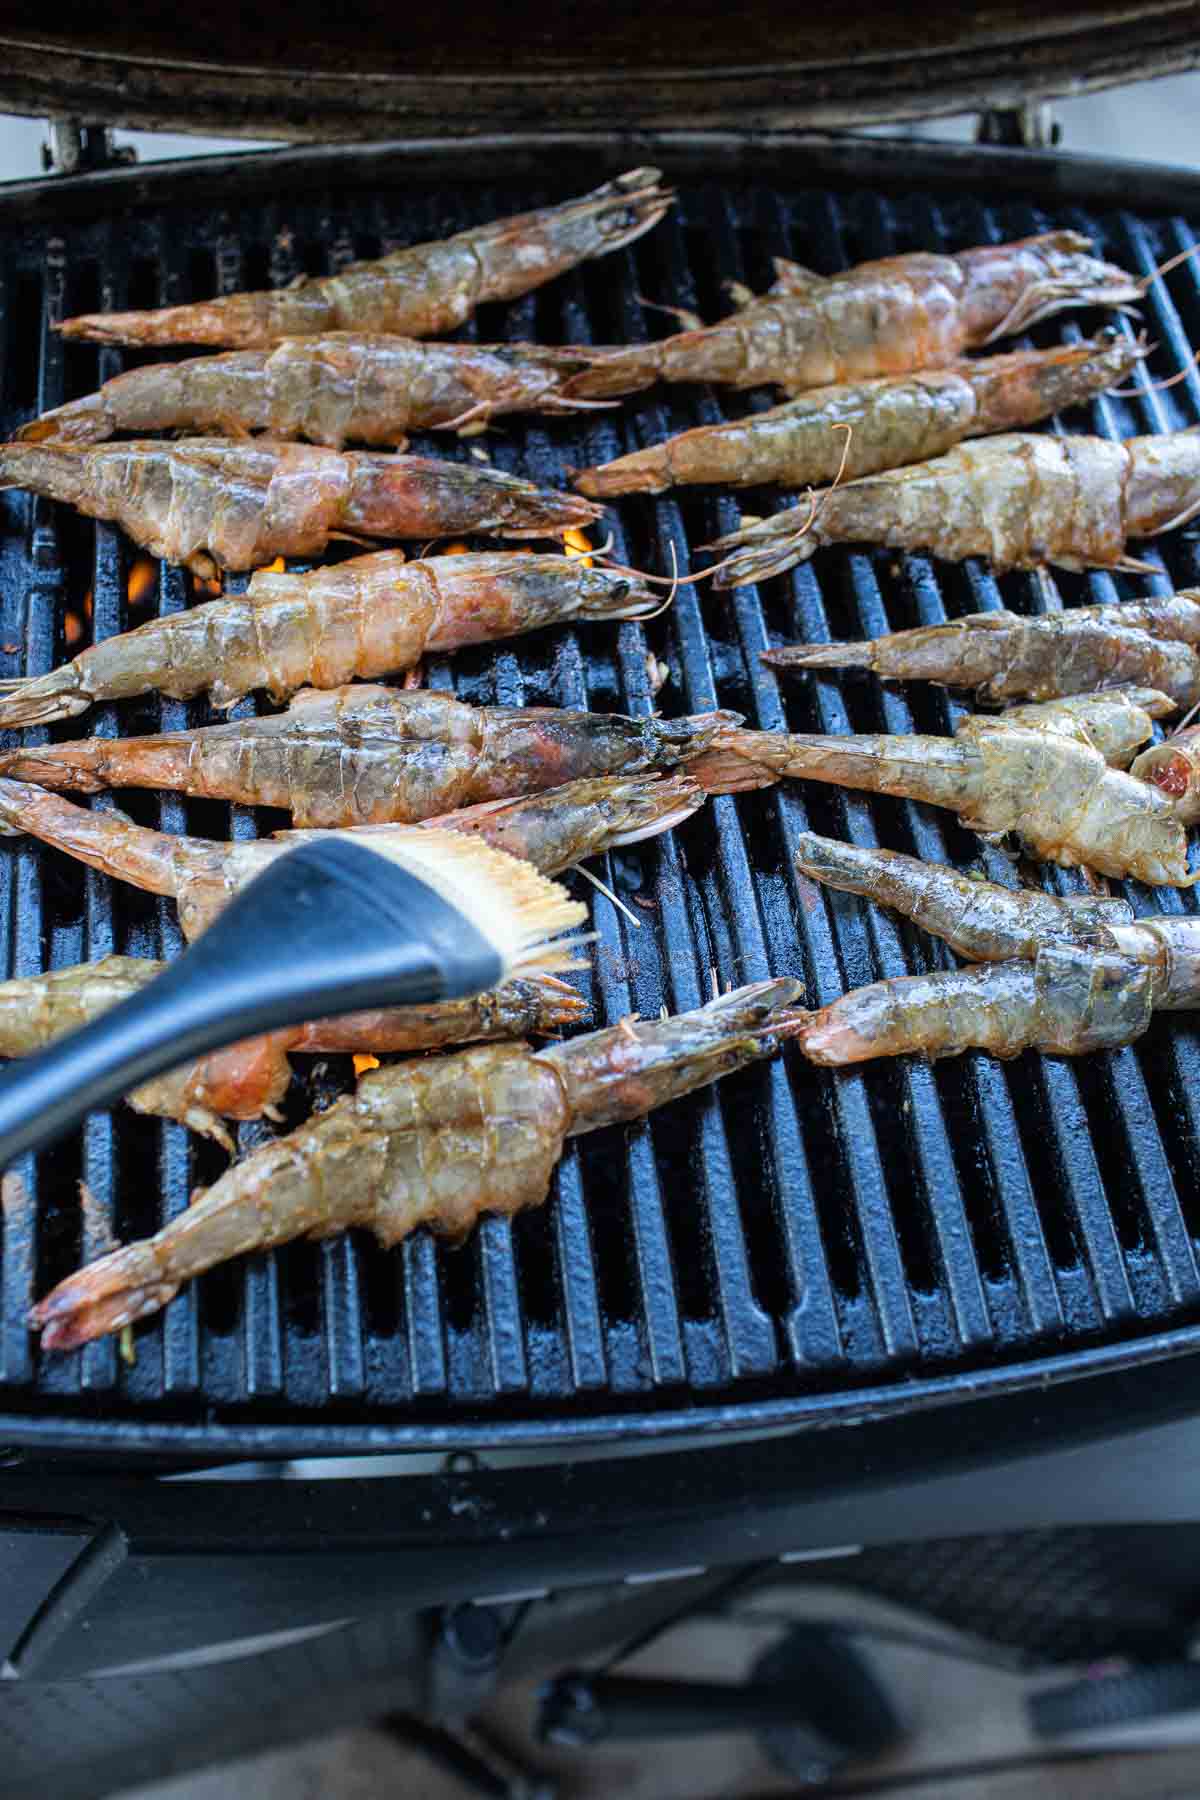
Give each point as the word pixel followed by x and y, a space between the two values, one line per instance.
pixel 328 928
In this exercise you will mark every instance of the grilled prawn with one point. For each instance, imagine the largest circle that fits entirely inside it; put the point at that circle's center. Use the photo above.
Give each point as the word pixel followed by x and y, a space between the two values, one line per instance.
pixel 1066 1001
pixel 247 1080
pixel 374 615
pixel 980 920
pixel 1065 975
pixel 1022 499
pixel 436 1143
pixel 1116 721
pixel 422 291
pixel 552 831
pixel 366 755
pixel 1004 656
pixel 881 318
pixel 336 388
pixel 1057 794
pixel 213 504
pixel 891 420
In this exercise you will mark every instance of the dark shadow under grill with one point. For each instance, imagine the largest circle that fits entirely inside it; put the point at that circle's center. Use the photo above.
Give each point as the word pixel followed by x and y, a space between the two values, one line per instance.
pixel 778 1245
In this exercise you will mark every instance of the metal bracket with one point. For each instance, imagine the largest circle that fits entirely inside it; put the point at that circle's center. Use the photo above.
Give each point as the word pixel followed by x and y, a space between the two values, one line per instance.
pixel 74 147
pixel 1031 126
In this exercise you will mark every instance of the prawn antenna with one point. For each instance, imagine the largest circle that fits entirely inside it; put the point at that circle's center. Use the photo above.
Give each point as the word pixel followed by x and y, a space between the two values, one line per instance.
pixel 1157 387
pixel 816 504
pixel 690 321
pixel 1165 268
pixel 674 580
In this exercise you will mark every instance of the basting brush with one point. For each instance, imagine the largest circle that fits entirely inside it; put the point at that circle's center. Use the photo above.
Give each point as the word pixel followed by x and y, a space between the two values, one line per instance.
pixel 330 927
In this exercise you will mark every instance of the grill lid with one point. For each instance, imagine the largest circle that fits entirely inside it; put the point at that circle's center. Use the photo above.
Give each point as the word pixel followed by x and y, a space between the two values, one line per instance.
pixel 310 74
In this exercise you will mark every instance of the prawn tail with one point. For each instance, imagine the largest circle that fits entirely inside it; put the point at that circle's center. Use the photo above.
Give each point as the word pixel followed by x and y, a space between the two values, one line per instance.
pixel 106 840
pixel 641 472
pixel 107 1295
pixel 85 421
pixel 44 698
pixel 820 656
pixel 610 374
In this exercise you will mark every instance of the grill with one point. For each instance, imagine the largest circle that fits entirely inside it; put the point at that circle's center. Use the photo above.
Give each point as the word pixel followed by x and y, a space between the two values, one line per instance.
pixel 793 1245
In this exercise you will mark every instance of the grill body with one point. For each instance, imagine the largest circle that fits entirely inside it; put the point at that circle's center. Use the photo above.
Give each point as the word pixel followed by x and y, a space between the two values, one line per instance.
pixel 793 1247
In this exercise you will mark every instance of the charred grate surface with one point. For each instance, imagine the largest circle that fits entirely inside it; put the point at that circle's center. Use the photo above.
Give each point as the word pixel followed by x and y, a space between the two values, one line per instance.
pixel 794 1235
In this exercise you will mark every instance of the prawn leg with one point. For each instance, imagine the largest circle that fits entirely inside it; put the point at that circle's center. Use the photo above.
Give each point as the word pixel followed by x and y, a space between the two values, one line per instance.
pixel 436 1143
pixel 420 291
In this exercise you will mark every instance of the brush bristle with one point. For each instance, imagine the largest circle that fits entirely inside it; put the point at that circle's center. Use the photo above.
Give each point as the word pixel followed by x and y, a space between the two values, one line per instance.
pixel 520 912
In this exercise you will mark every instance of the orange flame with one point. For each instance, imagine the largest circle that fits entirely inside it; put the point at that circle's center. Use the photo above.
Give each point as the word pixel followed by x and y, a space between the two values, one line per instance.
pixel 278 567
pixel 72 628
pixel 457 548
pixel 576 543
pixel 141 580
pixel 362 1063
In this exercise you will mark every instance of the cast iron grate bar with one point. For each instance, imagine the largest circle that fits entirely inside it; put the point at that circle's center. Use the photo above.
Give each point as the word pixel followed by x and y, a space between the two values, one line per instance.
pixel 899 1220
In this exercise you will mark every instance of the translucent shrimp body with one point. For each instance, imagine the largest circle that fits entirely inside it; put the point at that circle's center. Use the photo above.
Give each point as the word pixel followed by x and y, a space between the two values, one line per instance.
pixel 419 291
pixel 367 755
pixel 374 615
pixel 436 1143
pixel 1054 792
pixel 336 388
pixel 551 832
pixel 1067 1001
pixel 212 504
pixel 1116 722
pixel 1021 500
pixel 981 920
pixel 880 318
pixel 1173 769
pixel 891 420
pixel 1005 656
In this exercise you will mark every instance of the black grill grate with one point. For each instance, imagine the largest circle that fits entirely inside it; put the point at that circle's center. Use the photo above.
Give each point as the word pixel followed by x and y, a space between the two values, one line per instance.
pixel 790 1236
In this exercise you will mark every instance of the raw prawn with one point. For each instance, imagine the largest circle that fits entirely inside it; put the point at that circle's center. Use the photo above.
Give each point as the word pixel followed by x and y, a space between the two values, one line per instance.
pixel 915 311
pixel 421 291
pixel 1023 499
pixel 1116 722
pixel 892 420
pixel 436 1143
pixel 366 755
pixel 1004 656
pixel 212 504
pixel 1068 1000
pixel 333 389
pixel 1055 793
pixel 550 831
pixel 981 920
pixel 247 1080
pixel 373 615
pixel 1088 976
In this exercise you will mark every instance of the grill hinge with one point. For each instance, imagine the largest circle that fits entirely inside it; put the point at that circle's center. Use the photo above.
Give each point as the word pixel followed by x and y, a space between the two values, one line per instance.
pixel 74 147
pixel 1031 126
